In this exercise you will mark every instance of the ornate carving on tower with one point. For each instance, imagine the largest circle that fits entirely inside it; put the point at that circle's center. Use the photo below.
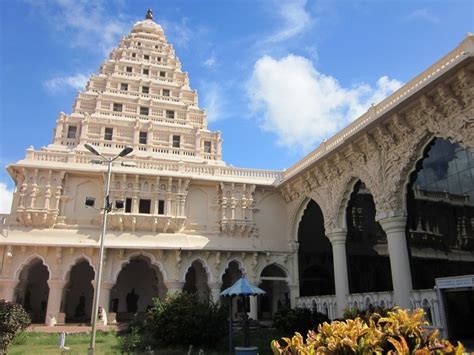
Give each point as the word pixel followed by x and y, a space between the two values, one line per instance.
pixel 236 204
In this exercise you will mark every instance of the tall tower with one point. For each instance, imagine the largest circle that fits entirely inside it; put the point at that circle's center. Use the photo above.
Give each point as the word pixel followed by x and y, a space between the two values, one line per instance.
pixel 140 98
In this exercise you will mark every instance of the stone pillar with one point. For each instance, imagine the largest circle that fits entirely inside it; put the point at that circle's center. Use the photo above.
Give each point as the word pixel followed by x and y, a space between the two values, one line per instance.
pixel 294 294
pixel 174 286
pixel 341 281
pixel 215 289
pixel 53 309
pixel 253 307
pixel 7 289
pixel 394 227
pixel 104 302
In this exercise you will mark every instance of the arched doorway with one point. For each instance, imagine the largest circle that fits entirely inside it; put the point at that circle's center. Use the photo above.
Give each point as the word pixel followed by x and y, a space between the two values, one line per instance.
pixel 32 290
pixel 230 276
pixel 315 260
pixel 274 281
pixel 366 245
pixel 137 284
pixel 196 280
pixel 440 205
pixel 79 293
pixel 440 228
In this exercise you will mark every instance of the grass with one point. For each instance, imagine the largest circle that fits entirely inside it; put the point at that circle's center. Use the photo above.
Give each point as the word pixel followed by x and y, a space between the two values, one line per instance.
pixel 108 343
pixel 47 343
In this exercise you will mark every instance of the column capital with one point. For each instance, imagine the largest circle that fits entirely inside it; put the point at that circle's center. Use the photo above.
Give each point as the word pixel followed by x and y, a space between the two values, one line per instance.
pixel 394 224
pixel 337 237
pixel 56 284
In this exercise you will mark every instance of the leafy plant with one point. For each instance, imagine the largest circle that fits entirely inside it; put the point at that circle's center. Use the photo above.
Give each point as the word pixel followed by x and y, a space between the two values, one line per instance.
pixel 13 319
pixel 399 332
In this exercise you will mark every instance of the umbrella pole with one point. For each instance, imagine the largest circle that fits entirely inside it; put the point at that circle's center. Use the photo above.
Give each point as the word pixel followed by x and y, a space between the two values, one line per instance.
pixel 230 326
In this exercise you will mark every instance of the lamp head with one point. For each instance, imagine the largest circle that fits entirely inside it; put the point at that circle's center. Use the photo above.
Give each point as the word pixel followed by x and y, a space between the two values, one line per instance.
pixel 125 151
pixel 91 149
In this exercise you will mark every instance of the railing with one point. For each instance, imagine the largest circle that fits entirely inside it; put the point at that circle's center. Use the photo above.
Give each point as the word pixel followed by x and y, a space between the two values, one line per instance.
pixel 264 176
pixel 376 111
pixel 323 304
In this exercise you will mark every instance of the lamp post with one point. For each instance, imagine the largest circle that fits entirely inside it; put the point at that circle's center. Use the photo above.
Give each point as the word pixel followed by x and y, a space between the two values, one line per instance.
pixel 107 208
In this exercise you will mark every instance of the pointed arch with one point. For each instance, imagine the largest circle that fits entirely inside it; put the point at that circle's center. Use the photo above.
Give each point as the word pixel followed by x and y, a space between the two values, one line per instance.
pixel 151 259
pixel 203 263
pixel 27 262
pixel 77 259
pixel 240 264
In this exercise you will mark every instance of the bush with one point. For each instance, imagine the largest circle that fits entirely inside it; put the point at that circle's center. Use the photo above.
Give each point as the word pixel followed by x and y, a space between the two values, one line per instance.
pixel 401 332
pixel 13 318
pixel 289 321
pixel 353 313
pixel 185 319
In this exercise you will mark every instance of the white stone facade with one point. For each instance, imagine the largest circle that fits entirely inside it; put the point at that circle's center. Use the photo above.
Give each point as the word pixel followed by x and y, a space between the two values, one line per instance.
pixel 185 209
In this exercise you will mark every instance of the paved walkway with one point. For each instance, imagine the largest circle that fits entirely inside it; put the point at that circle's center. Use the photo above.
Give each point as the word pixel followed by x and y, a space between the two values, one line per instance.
pixel 69 328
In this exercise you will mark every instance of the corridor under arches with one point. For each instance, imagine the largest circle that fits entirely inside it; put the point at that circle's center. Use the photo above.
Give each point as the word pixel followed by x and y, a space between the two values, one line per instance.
pixel 137 284
pixel 79 293
pixel 196 280
pixel 32 290
pixel 274 281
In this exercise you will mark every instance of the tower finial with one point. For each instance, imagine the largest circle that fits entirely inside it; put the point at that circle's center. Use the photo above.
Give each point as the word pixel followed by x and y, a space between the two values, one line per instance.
pixel 149 14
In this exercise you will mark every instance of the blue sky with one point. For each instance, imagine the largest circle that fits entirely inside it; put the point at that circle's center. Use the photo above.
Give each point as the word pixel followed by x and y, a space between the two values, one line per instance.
pixel 276 77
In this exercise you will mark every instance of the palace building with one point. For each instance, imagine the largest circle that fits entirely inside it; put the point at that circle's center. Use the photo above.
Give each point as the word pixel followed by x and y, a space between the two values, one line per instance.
pixel 380 214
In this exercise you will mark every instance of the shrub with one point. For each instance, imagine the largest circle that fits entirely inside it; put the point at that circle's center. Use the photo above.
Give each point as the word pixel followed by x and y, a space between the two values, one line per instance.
pixel 13 318
pixel 185 319
pixel 289 321
pixel 353 313
pixel 401 332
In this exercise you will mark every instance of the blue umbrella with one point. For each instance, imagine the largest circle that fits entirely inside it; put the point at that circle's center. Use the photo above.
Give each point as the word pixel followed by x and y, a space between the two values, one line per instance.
pixel 242 287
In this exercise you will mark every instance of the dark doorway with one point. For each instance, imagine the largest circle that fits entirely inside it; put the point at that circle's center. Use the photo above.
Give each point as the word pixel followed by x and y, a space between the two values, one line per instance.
pixel 459 308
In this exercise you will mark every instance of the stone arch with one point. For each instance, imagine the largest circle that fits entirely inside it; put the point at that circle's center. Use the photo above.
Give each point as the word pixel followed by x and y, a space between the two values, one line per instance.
pixel 79 292
pixel 197 278
pixel 76 260
pixel 438 197
pixel 239 263
pixel 350 183
pixel 298 212
pixel 275 284
pixel 147 255
pixel 27 261
pixel 204 264
pixel 276 264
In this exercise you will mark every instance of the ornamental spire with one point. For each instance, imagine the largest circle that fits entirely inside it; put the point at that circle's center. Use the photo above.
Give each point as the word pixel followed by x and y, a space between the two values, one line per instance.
pixel 149 14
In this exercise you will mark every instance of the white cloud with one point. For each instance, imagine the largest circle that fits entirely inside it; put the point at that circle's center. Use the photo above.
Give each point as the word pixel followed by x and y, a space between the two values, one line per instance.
pixel 210 62
pixel 6 196
pixel 89 24
pixel 57 84
pixel 303 106
pixel 213 101
pixel 295 20
pixel 423 15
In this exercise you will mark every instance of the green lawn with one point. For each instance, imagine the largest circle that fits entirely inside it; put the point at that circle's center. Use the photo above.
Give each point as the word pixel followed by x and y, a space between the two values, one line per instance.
pixel 108 343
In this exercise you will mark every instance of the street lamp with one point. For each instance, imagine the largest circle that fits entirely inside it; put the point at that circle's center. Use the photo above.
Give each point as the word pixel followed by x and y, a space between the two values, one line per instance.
pixel 107 208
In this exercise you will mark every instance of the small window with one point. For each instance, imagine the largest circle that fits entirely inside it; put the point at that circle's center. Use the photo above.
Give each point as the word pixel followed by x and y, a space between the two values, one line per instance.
pixel 144 206
pixel 163 74
pixel 176 141
pixel 146 71
pixel 144 111
pixel 108 133
pixel 156 47
pixel 128 205
pixel 143 137
pixel 124 86
pixel 118 107
pixel 129 69
pixel 207 146
pixel 139 44
pixel 146 57
pixel 145 89
pixel 71 132
pixel 134 55
pixel 158 59
pixel 161 206
pixel 166 92
pixel 169 114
